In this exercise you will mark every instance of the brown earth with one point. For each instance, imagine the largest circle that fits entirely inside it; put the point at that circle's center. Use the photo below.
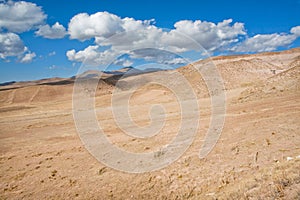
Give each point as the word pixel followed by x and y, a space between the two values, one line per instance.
pixel 256 157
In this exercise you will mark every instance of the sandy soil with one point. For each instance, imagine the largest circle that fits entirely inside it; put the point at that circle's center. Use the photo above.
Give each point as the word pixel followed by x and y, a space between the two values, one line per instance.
pixel 256 157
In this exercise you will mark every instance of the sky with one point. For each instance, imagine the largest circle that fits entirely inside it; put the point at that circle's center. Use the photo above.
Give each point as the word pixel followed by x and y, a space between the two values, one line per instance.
pixel 44 39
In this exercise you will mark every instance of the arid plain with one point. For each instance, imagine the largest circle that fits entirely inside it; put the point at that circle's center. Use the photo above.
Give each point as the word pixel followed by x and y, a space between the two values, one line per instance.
pixel 256 157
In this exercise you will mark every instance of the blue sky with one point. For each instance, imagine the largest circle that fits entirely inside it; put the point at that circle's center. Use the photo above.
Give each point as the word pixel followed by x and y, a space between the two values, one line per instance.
pixel 38 40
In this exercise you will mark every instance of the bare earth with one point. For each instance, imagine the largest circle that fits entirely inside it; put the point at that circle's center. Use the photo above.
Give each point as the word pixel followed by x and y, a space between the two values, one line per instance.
pixel 256 157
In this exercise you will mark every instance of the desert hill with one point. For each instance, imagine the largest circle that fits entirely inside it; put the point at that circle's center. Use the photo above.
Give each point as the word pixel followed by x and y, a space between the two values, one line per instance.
pixel 54 89
pixel 279 84
pixel 236 71
pixel 256 157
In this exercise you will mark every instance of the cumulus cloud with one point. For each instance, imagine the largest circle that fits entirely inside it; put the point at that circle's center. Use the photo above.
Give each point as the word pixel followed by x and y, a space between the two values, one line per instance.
pixel 124 34
pixel 157 55
pixel 91 55
pixel 142 39
pixel 177 61
pixel 11 45
pixel 101 24
pixel 267 42
pixel 20 16
pixel 27 58
pixel 123 62
pixel 296 31
pixel 52 32
pixel 113 35
pixel 210 35
pixel 139 34
pixel 136 34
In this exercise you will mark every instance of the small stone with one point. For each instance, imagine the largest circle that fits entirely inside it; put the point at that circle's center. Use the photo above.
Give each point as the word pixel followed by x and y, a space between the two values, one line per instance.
pixel 289 158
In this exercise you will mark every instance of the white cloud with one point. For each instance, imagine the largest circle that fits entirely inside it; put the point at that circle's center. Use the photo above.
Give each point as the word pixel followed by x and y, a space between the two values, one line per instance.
pixel 123 34
pixel 28 58
pixel 20 16
pixel 54 32
pixel 296 31
pixel 101 24
pixel 123 62
pixel 266 42
pixel 11 45
pixel 91 55
pixel 120 35
pixel 209 35
pixel 153 54
pixel 177 61
pixel 138 33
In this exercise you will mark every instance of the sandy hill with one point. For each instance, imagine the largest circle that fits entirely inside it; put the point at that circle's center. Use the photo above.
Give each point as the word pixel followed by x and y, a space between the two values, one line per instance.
pixel 256 157
pixel 56 89
pixel 285 81
pixel 237 71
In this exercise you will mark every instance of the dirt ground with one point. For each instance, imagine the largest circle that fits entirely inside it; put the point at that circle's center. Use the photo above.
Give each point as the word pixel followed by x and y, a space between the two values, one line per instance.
pixel 257 155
